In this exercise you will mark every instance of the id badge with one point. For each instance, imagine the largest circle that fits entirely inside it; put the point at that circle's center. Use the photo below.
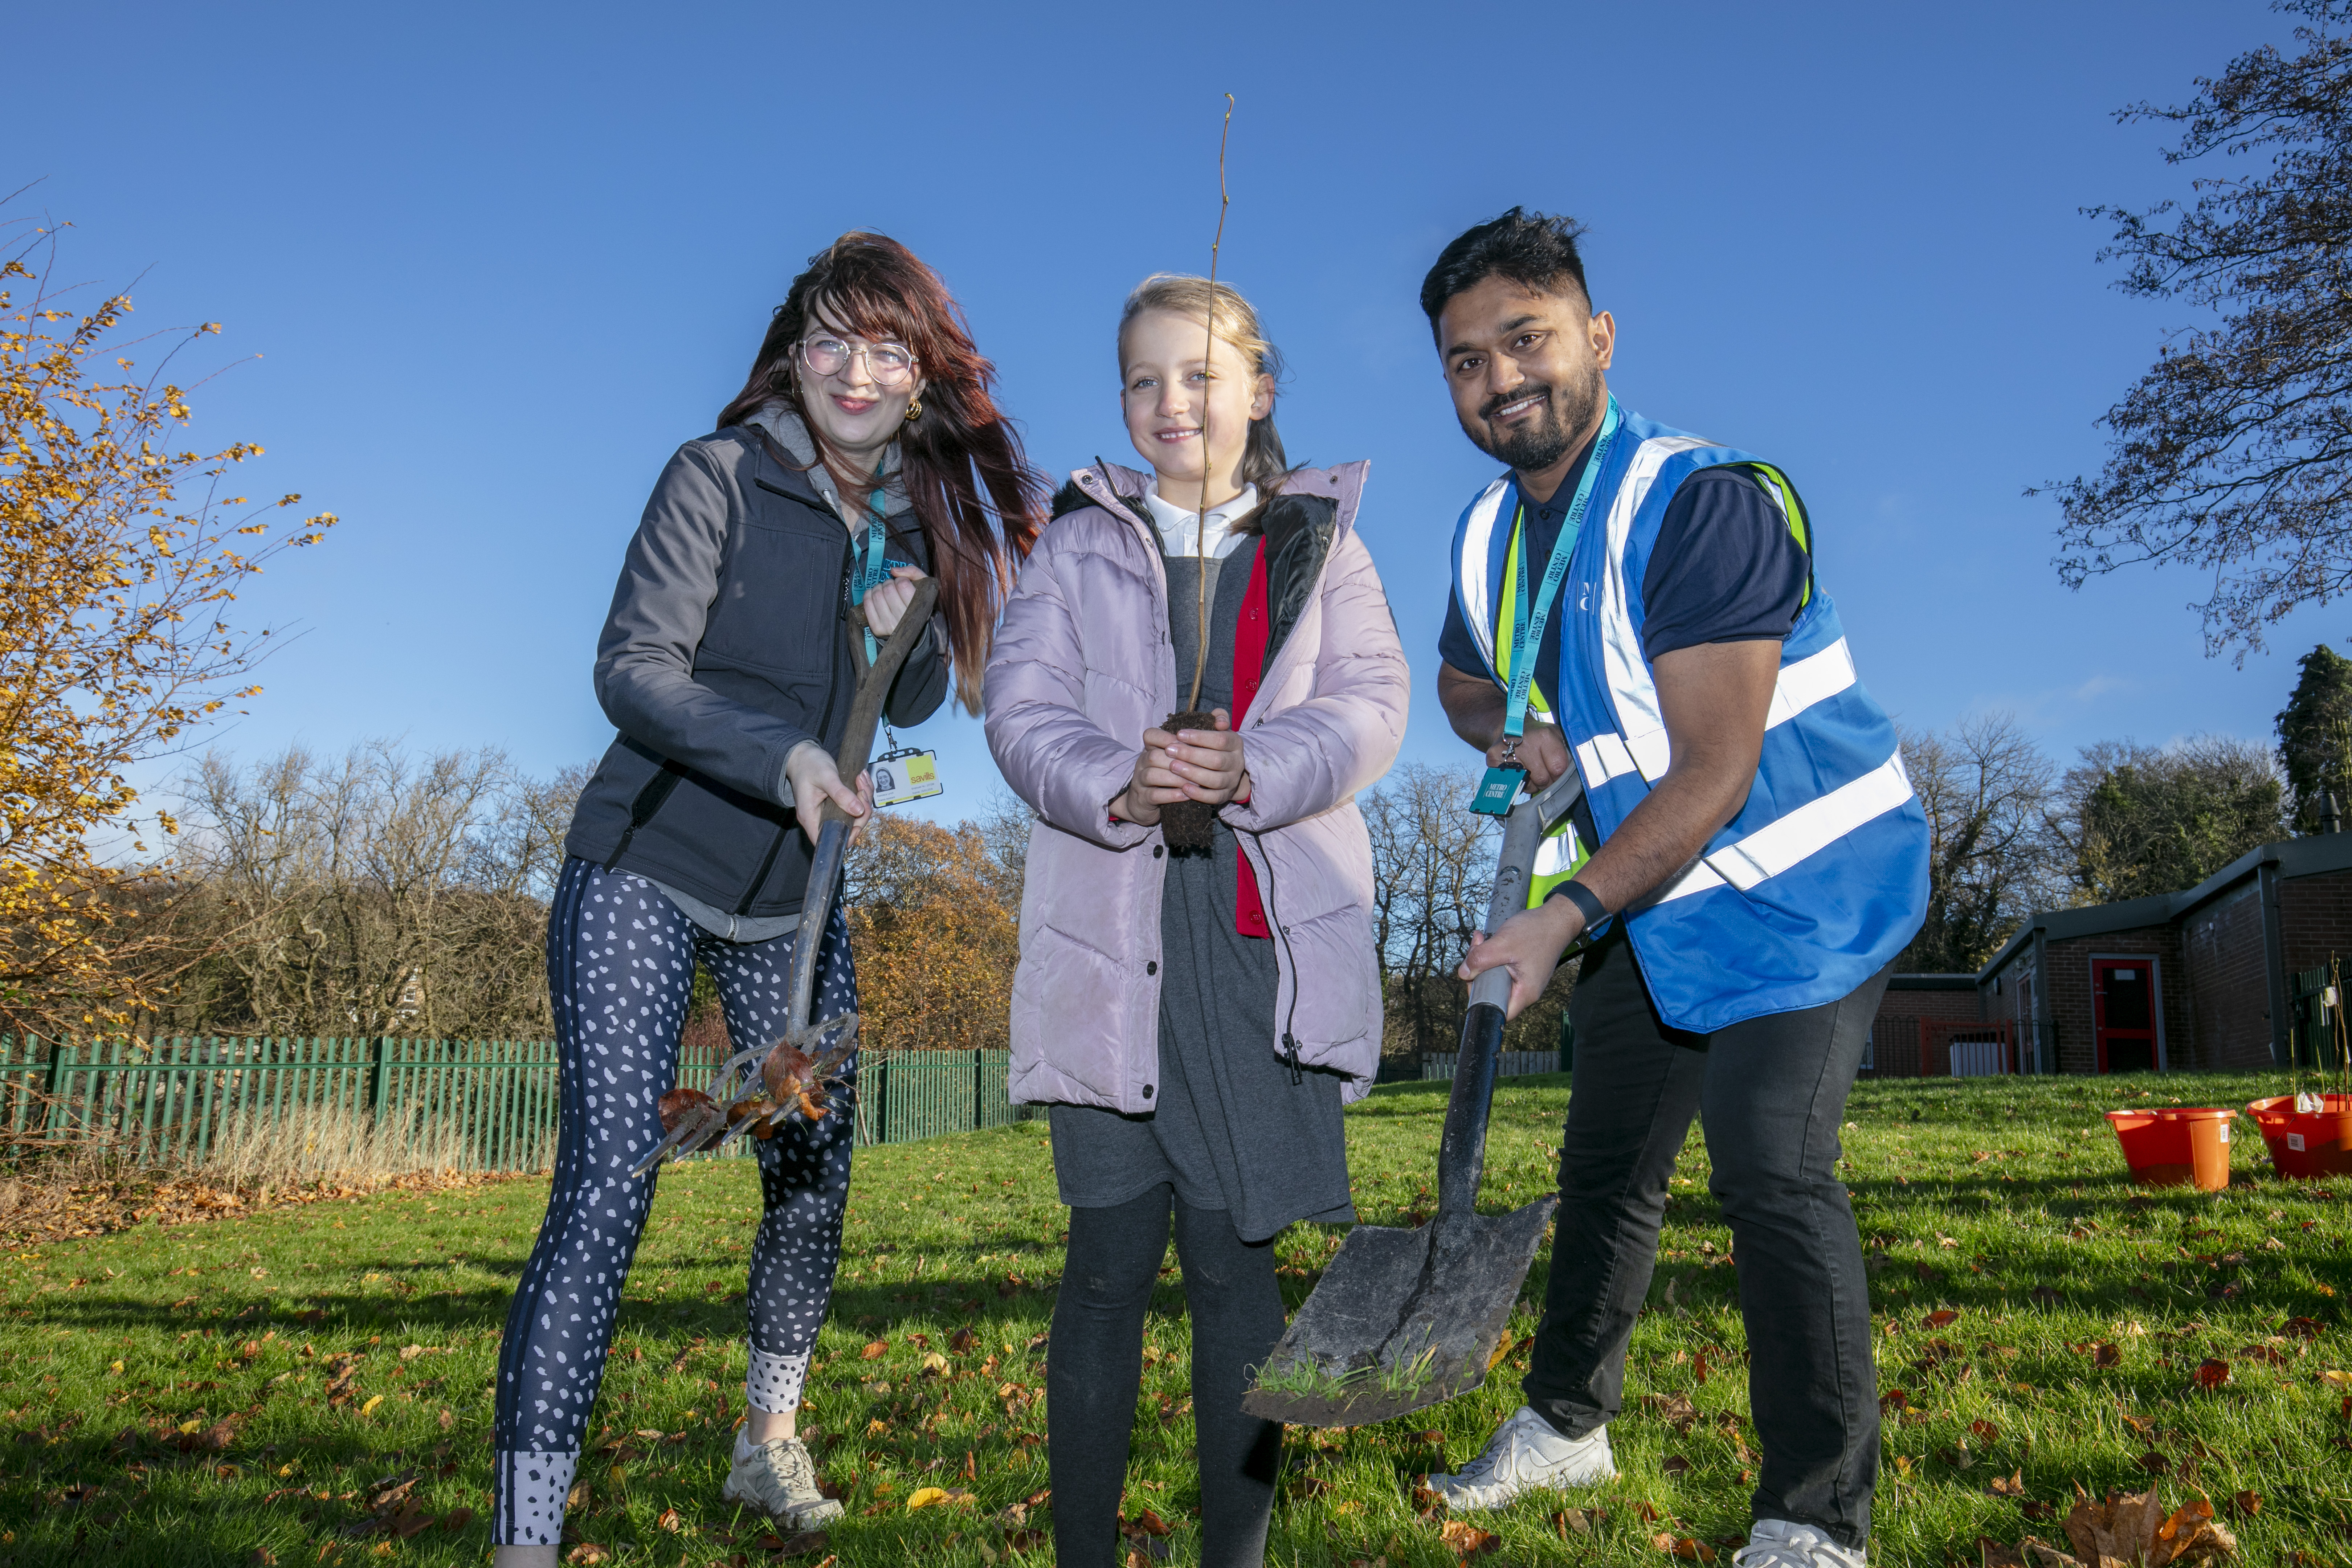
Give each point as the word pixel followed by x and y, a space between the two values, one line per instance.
pixel 905 775
pixel 1498 790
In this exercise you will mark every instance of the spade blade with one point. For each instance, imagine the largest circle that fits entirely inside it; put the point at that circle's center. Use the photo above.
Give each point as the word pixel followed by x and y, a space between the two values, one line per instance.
pixel 1401 1319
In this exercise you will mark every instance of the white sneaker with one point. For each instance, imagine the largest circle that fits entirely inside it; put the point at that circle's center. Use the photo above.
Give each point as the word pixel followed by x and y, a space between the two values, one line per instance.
pixel 1784 1544
pixel 778 1479
pixel 1525 1453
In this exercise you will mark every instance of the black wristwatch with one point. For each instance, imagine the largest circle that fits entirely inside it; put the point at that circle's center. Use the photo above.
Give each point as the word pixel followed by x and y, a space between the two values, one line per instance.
pixel 1587 901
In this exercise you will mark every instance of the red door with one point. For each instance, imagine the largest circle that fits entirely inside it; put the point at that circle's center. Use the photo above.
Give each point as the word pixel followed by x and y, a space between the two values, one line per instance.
pixel 2122 1013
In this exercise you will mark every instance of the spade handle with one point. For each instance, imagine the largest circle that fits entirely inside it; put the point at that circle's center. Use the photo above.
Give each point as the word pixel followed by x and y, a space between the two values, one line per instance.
pixel 874 684
pixel 1462 1153
pixel 856 746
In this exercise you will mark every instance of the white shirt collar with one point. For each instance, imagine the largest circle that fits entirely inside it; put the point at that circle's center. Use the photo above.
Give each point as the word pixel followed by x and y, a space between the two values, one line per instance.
pixel 1177 524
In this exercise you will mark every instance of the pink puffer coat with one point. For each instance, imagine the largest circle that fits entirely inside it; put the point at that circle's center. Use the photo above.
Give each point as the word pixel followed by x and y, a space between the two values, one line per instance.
pixel 1082 666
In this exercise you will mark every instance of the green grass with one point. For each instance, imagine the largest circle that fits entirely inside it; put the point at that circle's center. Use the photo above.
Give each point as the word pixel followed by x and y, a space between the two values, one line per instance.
pixel 1971 1195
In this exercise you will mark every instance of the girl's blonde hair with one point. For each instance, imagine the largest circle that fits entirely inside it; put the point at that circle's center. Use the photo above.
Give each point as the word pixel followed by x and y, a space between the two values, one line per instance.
pixel 1236 323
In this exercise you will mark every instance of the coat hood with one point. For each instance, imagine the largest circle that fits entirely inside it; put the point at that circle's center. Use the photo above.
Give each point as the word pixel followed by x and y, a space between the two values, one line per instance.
pixel 1119 489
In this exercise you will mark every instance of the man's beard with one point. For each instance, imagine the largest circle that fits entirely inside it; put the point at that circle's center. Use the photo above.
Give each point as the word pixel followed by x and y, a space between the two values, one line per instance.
pixel 1554 431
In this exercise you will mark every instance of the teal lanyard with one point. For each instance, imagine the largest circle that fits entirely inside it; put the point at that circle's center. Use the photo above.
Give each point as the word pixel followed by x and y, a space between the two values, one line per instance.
pixel 1526 634
pixel 873 571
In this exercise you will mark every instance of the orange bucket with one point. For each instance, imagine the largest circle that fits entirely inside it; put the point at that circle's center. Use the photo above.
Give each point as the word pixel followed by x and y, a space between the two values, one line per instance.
pixel 2178 1146
pixel 2305 1144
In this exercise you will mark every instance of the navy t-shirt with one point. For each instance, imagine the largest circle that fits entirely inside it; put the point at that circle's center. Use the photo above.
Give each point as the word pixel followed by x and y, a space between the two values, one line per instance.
pixel 1725 569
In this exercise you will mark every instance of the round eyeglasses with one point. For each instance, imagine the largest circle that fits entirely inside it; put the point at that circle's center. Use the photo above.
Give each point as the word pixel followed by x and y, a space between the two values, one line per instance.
pixel 890 364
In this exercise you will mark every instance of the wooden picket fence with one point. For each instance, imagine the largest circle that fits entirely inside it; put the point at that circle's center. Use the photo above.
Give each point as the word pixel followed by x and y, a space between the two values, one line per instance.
pixel 486 1105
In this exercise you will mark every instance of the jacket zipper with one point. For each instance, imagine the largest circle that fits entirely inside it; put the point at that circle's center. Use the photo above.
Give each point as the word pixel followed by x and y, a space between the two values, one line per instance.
pixel 1282 933
pixel 647 801
pixel 1274 918
pixel 824 723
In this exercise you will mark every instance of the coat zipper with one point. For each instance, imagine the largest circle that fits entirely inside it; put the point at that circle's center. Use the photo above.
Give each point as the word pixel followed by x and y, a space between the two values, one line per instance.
pixel 832 695
pixel 1274 918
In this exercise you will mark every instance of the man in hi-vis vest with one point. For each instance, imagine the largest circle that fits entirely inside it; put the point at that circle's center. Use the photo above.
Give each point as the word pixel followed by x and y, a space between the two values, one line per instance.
pixel 1640 604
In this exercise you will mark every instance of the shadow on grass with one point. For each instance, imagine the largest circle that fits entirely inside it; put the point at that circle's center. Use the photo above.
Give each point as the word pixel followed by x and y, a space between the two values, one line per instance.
pixel 972 1299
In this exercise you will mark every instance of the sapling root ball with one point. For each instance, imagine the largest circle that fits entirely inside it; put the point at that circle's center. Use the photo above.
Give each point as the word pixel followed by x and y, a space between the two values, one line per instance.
pixel 1189 825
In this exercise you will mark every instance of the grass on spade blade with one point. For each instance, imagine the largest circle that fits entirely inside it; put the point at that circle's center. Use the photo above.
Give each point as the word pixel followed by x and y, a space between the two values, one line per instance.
pixel 1307 1378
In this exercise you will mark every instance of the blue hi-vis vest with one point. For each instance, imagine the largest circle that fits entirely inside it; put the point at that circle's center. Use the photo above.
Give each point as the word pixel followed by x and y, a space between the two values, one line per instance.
pixel 1823 877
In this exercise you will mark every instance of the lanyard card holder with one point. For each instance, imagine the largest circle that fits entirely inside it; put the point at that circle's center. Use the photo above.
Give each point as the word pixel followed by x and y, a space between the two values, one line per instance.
pixel 1498 790
pixel 905 774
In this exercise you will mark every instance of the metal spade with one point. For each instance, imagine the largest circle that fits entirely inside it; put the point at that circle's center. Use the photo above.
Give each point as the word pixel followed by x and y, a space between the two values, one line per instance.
pixel 1405 1319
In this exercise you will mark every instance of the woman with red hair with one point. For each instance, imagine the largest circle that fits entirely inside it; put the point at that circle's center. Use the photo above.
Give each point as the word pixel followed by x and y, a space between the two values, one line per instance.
pixel 864 452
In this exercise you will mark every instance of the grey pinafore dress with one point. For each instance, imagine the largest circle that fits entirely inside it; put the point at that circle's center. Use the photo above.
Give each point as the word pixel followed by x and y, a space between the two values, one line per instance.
pixel 1232 1129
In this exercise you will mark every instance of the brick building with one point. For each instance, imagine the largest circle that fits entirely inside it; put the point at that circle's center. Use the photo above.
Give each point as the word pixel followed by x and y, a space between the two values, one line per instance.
pixel 1921 1017
pixel 2202 978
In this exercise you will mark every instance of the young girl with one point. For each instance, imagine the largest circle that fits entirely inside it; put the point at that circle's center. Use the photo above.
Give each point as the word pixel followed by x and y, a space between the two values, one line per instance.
pixel 1195 1020
pixel 864 452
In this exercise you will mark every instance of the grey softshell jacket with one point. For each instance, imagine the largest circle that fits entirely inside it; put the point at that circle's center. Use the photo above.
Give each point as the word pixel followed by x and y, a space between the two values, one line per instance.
pixel 727 644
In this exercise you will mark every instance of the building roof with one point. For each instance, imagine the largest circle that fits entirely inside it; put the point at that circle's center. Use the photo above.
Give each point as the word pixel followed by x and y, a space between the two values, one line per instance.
pixel 2310 856
pixel 1931 982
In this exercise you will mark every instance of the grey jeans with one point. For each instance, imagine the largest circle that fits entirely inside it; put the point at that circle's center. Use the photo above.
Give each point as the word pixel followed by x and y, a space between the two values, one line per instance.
pixel 1770 1094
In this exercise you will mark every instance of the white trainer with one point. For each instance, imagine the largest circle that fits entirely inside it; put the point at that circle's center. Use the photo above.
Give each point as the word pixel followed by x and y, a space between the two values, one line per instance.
pixel 1784 1544
pixel 778 1479
pixel 1524 1454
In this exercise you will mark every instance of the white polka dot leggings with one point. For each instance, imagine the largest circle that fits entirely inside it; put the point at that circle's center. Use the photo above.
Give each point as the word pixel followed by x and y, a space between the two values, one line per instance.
pixel 620 968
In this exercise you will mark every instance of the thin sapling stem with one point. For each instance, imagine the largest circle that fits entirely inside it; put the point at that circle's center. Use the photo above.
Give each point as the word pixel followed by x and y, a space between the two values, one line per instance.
pixel 1201 529
pixel 1188 825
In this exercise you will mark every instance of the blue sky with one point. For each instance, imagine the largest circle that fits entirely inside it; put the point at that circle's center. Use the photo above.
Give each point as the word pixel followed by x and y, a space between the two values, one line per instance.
pixel 498 262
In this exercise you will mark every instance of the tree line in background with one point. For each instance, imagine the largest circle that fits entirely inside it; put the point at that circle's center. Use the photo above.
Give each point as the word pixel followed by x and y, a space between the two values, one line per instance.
pixel 2009 832
pixel 385 893
pixel 374 893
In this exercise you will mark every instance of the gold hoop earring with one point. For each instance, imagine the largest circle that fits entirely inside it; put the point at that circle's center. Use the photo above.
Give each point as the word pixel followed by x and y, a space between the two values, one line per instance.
pixel 914 409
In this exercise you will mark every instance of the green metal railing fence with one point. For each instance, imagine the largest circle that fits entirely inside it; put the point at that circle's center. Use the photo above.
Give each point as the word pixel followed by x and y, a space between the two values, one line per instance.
pixel 488 1105
pixel 907 1095
pixel 1508 1064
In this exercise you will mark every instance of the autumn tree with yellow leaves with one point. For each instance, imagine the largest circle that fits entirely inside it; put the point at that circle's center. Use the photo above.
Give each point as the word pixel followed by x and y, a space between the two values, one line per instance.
pixel 123 550
pixel 935 926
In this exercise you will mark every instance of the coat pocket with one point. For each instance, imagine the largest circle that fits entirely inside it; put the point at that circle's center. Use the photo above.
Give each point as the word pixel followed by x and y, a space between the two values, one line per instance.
pixel 795 696
pixel 779 602
pixel 1069 1009
pixel 1339 977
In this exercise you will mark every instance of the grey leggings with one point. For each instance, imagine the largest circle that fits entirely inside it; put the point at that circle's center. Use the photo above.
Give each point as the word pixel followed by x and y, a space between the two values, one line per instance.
pixel 1095 1368
pixel 620 969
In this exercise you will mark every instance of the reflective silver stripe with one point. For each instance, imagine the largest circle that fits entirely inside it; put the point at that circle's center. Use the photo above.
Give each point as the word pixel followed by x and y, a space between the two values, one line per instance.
pixel 1816 678
pixel 1652 751
pixel 1477 544
pixel 1642 747
pixel 1555 854
pixel 1795 837
pixel 1627 672
pixel 1602 758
